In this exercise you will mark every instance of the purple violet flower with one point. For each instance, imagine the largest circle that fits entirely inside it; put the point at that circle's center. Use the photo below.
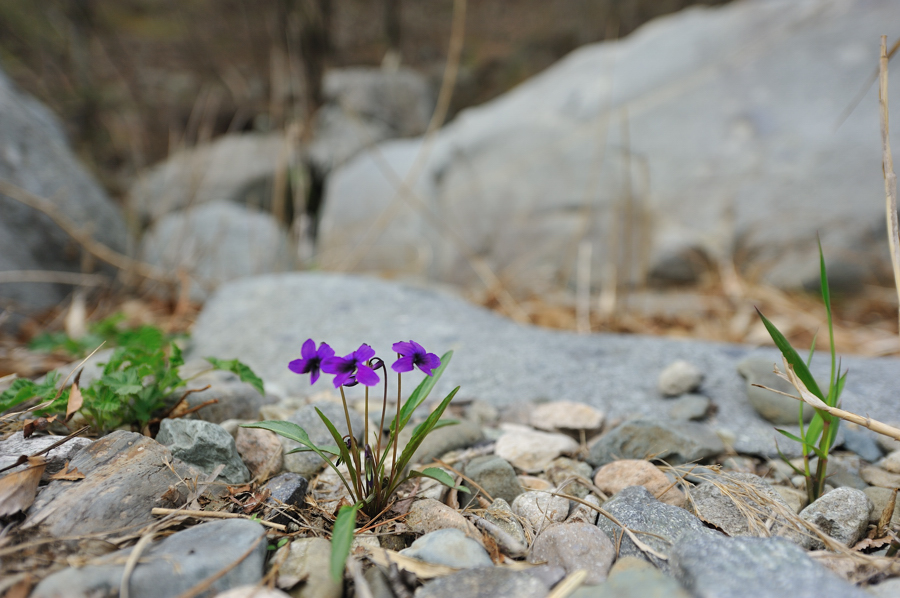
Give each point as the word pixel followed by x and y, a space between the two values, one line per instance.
pixel 414 355
pixel 352 367
pixel 312 359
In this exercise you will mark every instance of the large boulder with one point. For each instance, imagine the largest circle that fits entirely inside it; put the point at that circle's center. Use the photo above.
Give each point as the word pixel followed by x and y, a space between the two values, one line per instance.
pixel 235 168
pixel 217 242
pixel 264 321
pixel 35 156
pixel 706 134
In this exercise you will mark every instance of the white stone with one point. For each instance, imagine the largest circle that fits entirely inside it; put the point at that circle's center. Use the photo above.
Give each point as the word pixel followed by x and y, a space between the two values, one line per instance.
pixel 530 450
pixel 566 415
pixel 540 509
pixel 678 378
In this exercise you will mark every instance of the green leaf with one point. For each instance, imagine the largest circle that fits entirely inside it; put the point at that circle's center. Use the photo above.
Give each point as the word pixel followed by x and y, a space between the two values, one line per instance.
pixel 812 349
pixel 436 473
pixel 341 538
pixel 792 357
pixel 422 391
pixel 421 431
pixel 243 371
pixel 811 447
pixel 342 447
pixel 788 461
pixel 176 359
pixel 441 423
pixel 331 450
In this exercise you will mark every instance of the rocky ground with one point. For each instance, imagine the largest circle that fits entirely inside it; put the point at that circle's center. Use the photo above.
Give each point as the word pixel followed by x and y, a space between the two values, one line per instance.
pixel 598 465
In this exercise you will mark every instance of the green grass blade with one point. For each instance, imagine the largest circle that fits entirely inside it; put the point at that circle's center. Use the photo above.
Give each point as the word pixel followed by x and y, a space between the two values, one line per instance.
pixel 341 538
pixel 440 424
pixel 792 357
pixel 815 429
pixel 339 440
pixel 812 349
pixel 435 473
pixel 788 461
pixel 330 450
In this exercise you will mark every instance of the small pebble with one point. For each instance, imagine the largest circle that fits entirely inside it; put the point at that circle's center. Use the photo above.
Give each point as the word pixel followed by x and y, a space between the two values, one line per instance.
pixel 575 546
pixel 875 476
pixel 428 515
pixel 689 407
pixel 566 415
pixel 678 378
pixel 260 450
pixel 618 475
pixel 581 513
pixel 540 509
pixel 449 547
pixel 495 475
pixel 843 514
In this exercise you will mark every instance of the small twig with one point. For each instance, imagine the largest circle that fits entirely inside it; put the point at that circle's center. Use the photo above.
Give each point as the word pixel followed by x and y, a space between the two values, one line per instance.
pixel 469 480
pixel 24 458
pixel 97 249
pixel 568 585
pixel 131 563
pixel 887 162
pixel 512 546
pixel 214 515
pixel 73 278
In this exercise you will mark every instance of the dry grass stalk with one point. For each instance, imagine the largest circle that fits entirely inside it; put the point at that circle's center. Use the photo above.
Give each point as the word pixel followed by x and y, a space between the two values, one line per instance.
pixel 890 179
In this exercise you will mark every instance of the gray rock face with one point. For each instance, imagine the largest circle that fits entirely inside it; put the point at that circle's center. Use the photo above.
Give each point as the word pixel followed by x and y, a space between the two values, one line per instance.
pixel 638 510
pixel 35 156
pixel 842 513
pixel 713 505
pixel 17 444
pixel 237 400
pixel 643 583
pixel 125 477
pixel 495 360
pixel 172 565
pixel 308 463
pixel 204 445
pixel 713 566
pixel 234 168
pixel 675 442
pixel 217 242
pixel 496 476
pixel 449 547
pixel 861 442
pixel 776 408
pixel 492 582
pixel 443 440
pixel 575 546
pixel 740 153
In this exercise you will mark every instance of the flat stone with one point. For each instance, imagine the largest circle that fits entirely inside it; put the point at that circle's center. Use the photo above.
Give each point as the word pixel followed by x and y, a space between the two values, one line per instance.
pixel 309 560
pixel 540 509
pixel 125 477
pixel 876 476
pixel 261 452
pixel 204 445
pixel 690 407
pixel 637 509
pixel 16 445
pixel 891 462
pixel 428 515
pixel 618 475
pixel 575 546
pixel 308 463
pixel 674 442
pixel 756 512
pixel 678 378
pixel 446 439
pixel 842 513
pixel 496 476
pixel 488 582
pixel 280 311
pixel 776 408
pixel 501 515
pixel 862 442
pixel 566 415
pixel 643 583
pixel 449 547
pixel 889 588
pixel 714 566
pixel 530 450
pixel 173 565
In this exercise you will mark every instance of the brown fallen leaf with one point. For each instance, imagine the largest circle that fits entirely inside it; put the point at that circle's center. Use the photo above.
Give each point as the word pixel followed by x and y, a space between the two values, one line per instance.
pixel 75 398
pixel 37 425
pixel 871 543
pixel 17 490
pixel 67 474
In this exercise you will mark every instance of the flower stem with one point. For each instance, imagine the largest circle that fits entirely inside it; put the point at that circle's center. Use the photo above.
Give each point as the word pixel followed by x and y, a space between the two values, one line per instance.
pixel 354 449
pixel 396 429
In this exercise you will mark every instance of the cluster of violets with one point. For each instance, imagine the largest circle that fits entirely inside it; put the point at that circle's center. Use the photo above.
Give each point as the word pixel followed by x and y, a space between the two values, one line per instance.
pixel 359 367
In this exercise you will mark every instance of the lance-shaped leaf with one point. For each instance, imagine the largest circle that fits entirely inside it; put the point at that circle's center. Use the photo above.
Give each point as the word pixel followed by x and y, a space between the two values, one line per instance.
pixel 809 447
pixel 345 452
pixel 436 473
pixel 792 357
pixel 422 391
pixel 341 538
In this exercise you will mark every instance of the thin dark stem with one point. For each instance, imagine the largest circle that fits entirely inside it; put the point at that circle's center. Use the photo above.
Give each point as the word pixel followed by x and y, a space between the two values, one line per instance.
pixel 396 429
pixel 822 465
pixel 383 410
pixel 354 449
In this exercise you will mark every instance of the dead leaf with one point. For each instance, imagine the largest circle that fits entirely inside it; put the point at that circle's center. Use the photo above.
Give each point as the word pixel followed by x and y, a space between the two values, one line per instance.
pixel 37 425
pixel 67 474
pixel 421 569
pixel 75 398
pixel 17 490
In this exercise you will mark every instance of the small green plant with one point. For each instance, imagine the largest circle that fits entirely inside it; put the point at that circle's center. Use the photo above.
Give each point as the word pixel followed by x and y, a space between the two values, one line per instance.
pixel 107 330
pixel 136 382
pixel 819 437
pixel 370 483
